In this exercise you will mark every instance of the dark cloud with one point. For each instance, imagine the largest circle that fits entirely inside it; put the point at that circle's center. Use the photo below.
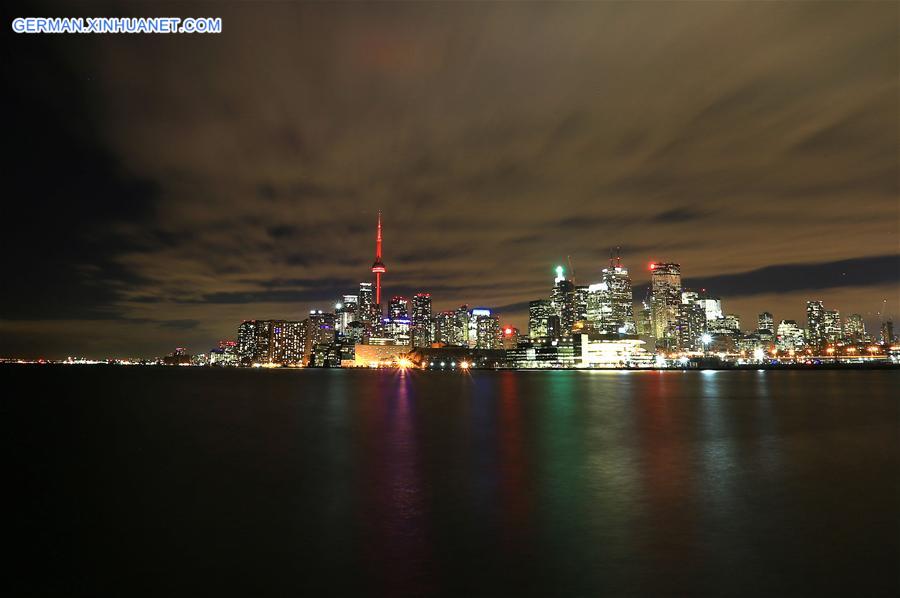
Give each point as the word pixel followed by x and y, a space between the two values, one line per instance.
pixel 208 179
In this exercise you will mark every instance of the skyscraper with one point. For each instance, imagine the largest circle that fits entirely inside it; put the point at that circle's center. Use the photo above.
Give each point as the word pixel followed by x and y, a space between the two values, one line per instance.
pixel 665 284
pixel 815 314
pixel 855 328
pixel 398 307
pixel 378 267
pixel 616 304
pixel 542 320
pixel 366 309
pixel 765 322
pixel 422 332
pixel 562 298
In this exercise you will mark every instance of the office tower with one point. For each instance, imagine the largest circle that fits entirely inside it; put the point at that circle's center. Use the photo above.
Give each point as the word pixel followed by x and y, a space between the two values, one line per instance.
pixel 378 267
pixel 832 330
pixel 510 339
pixel 580 304
pixel 765 322
pixel 345 313
pixel 790 336
pixel 421 320
pixel 446 329
pixel 887 332
pixel 617 302
pixel 542 320
pixel 665 288
pixel 855 328
pixel 690 326
pixel 246 339
pixel 815 314
pixel 399 329
pixel 319 330
pixel 643 321
pixel 398 307
pixel 366 309
pixel 562 298
pixel 484 329
pixel 462 326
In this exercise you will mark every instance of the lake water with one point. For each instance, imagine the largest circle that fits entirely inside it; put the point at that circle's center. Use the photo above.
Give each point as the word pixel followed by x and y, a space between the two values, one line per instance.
pixel 188 481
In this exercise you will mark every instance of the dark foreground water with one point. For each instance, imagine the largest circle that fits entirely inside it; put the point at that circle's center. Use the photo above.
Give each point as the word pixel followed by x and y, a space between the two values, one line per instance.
pixel 142 481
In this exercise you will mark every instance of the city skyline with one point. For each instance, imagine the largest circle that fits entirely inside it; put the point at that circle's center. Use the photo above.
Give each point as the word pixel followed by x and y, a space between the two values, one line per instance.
pixel 500 141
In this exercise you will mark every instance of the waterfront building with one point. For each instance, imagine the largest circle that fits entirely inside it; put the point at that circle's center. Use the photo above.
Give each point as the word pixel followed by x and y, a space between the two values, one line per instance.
pixel 226 354
pixel 665 285
pixel 765 322
pixel 510 337
pixel 887 332
pixel 562 298
pixel 543 321
pixel 815 315
pixel 422 326
pixel 615 298
pixel 690 326
pixel 711 305
pixel 484 329
pixel 855 329
pixel 609 352
pixel 831 328
pixel 581 304
pixel 345 312
pixel 398 329
pixel 367 312
pixel 789 337
pixel 319 330
pixel 276 342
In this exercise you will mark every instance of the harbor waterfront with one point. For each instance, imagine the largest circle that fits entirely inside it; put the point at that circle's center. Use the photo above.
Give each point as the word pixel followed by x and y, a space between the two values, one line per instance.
pixel 188 481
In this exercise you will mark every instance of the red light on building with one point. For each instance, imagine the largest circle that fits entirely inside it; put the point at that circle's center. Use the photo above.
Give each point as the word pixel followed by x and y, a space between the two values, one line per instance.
pixel 508 331
pixel 653 266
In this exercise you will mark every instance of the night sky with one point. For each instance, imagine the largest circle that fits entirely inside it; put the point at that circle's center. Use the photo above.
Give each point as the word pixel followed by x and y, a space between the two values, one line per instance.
pixel 161 188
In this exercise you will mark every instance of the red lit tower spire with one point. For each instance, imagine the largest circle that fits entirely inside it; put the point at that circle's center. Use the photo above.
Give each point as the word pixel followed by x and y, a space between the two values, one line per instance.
pixel 378 267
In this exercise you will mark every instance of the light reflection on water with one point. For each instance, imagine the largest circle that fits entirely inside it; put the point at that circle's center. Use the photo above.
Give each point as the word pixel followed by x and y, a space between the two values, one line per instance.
pixel 485 483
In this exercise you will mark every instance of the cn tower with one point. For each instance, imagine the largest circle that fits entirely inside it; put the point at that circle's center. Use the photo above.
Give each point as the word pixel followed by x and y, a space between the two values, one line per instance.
pixel 378 267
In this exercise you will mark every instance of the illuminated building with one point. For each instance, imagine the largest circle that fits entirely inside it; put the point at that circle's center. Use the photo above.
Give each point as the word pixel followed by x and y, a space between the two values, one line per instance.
pixel 378 267
pixel 831 328
pixel 445 328
pixel 366 304
pixel 887 332
pixel 398 329
pixel 543 321
pixel 765 322
pixel 422 331
pixel 610 353
pixel 510 337
pixel 643 321
pixel 398 307
pixel 665 288
pixel 581 303
pixel 562 299
pixel 690 326
pixel 319 329
pixel 855 329
pixel 617 305
pixel 462 325
pixel 484 329
pixel 815 314
pixel 789 337
pixel 278 342
pixel 545 353
pixel 226 354
pixel 367 356
pixel 345 313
